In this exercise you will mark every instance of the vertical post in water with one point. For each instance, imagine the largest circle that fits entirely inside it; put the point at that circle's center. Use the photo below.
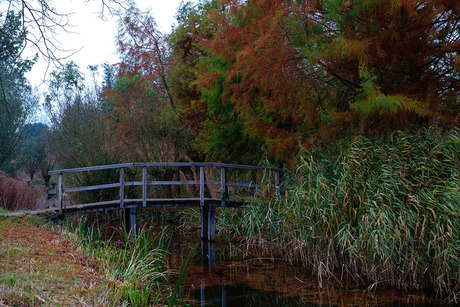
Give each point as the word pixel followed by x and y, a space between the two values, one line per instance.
pixel 223 185
pixel 277 183
pixel 212 256
pixel 144 186
pixel 211 223
pixel 60 191
pixel 203 292
pixel 224 293
pixel 122 187
pixel 204 222
pixel 132 220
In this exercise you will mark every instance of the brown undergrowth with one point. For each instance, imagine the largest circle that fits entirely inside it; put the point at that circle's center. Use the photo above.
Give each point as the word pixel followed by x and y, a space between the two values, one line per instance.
pixel 40 267
pixel 18 193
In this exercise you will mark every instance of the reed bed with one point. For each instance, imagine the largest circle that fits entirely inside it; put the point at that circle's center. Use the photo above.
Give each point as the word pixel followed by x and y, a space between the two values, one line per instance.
pixel 136 264
pixel 383 212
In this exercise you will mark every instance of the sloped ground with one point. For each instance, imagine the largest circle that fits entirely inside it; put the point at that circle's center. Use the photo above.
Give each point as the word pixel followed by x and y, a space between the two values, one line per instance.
pixel 39 267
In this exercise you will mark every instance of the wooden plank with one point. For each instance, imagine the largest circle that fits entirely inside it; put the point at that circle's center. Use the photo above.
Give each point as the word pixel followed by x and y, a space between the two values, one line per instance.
pixel 168 164
pixel 92 187
pixel 122 187
pixel 202 185
pixel 132 183
pixel 161 164
pixel 140 183
pixel 144 186
pixel 155 203
pixel 172 182
pixel 60 193
pixel 90 168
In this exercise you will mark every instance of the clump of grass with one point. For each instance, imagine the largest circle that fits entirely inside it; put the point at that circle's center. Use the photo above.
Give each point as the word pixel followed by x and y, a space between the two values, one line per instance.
pixel 383 212
pixel 137 265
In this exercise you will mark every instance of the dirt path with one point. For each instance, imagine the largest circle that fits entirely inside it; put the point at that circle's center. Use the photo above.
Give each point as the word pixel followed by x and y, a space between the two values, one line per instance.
pixel 40 267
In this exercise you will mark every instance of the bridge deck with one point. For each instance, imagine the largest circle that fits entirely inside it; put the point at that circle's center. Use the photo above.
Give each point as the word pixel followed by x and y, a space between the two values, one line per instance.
pixel 151 203
pixel 133 203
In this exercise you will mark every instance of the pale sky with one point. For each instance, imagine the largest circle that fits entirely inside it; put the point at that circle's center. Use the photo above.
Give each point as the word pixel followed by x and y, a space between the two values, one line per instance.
pixel 95 37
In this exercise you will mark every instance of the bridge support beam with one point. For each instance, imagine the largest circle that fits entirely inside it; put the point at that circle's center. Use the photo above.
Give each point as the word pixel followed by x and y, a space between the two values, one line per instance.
pixel 130 220
pixel 208 223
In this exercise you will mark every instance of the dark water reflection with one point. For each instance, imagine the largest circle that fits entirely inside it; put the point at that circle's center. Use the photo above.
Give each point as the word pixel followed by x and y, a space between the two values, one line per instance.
pixel 227 274
pixel 221 276
pixel 240 295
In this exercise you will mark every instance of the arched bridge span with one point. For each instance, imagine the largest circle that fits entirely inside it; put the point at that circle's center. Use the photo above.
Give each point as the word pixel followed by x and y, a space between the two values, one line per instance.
pixel 204 173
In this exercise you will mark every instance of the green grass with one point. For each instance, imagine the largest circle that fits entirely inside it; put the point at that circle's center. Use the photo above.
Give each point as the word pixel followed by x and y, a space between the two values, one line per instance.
pixel 136 264
pixel 383 212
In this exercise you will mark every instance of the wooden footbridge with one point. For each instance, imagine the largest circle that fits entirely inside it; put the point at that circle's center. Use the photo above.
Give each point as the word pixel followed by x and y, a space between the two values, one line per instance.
pixel 130 205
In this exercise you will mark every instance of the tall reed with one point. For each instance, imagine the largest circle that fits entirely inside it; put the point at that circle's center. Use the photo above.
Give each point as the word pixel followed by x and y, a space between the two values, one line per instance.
pixel 383 212
pixel 136 264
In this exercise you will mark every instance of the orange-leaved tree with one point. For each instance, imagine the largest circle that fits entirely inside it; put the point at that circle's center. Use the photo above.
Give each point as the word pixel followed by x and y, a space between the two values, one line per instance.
pixel 293 72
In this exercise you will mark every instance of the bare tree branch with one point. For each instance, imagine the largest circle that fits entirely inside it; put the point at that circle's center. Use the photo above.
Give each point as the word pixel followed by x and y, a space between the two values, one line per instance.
pixel 44 24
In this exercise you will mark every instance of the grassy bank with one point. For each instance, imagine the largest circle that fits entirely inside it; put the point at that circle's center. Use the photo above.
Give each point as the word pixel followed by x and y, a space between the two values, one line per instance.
pixel 384 212
pixel 41 267
pixel 74 266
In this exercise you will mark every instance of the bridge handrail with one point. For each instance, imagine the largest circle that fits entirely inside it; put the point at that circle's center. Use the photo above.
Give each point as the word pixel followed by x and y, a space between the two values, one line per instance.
pixel 144 183
pixel 161 164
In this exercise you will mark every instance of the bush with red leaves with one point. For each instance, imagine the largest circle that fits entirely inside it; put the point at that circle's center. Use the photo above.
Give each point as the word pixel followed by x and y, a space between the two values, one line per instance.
pixel 18 194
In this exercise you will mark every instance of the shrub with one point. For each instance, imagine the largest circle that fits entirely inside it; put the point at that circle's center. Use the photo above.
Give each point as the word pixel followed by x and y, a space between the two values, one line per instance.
pixel 18 193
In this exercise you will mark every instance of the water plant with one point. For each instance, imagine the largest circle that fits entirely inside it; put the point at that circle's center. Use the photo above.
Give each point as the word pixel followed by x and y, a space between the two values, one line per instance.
pixel 136 263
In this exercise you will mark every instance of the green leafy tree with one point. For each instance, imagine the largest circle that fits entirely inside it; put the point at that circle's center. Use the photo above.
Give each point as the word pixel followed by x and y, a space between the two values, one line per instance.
pixel 78 128
pixel 17 101
pixel 79 131
pixel 34 148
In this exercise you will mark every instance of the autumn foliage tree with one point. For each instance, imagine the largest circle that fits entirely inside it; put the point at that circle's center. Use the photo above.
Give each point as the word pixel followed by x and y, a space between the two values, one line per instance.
pixel 241 81
pixel 142 122
pixel 292 73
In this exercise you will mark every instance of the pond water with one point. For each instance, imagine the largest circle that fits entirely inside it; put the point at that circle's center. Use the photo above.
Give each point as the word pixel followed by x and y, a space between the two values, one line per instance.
pixel 228 274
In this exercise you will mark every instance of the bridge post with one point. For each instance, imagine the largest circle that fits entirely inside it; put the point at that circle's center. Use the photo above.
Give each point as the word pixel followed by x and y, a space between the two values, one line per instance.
pixel 201 186
pixel 204 222
pixel 223 185
pixel 144 186
pixel 208 213
pixel 130 220
pixel 60 191
pixel 208 223
pixel 122 187
pixel 211 223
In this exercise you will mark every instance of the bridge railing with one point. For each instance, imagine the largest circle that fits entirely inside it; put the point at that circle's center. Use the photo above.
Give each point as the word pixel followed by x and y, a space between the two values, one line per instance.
pixel 122 184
